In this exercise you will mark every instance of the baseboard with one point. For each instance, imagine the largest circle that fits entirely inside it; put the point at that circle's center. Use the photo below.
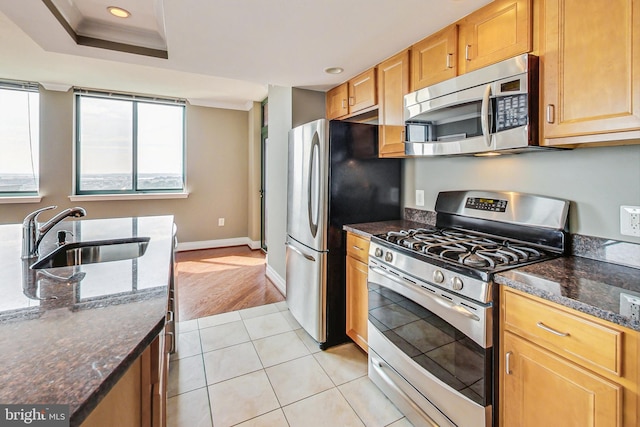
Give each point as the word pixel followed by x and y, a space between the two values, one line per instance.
pixel 276 279
pixel 220 243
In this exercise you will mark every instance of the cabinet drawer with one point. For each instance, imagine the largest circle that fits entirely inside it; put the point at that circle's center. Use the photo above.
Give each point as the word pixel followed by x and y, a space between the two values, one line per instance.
pixel 563 332
pixel 358 247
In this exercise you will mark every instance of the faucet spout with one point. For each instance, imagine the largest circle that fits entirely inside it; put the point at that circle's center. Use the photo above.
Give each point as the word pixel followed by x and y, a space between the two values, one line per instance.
pixel 33 232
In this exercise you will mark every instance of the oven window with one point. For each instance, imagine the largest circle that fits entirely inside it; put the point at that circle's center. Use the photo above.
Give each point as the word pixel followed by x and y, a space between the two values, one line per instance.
pixel 432 343
pixel 447 124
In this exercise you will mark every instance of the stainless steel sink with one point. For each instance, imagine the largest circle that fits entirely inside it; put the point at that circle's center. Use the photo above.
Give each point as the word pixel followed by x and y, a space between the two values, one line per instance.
pixel 91 252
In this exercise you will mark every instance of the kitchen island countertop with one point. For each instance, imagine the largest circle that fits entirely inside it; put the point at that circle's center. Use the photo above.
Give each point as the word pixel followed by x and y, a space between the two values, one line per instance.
pixel 590 286
pixel 69 334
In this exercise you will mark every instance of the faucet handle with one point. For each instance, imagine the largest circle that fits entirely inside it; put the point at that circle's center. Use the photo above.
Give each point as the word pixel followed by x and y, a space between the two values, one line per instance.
pixel 33 216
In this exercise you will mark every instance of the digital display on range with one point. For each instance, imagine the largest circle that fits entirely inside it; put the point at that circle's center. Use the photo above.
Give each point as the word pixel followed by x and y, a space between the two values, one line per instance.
pixel 482 204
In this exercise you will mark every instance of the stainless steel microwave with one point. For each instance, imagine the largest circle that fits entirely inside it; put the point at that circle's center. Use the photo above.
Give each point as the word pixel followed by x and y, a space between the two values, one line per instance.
pixel 490 110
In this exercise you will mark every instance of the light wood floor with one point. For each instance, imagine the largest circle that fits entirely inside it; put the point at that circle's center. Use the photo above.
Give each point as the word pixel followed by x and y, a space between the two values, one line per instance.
pixel 217 281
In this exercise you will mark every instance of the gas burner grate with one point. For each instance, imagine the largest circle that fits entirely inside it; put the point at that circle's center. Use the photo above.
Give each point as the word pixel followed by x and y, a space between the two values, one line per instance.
pixel 465 248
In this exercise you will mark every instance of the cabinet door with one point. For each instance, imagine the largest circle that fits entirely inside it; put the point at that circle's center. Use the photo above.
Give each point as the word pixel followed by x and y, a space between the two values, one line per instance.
pixel 393 85
pixel 542 389
pixel 337 102
pixel 435 58
pixel 362 91
pixel 591 70
pixel 498 31
pixel 357 303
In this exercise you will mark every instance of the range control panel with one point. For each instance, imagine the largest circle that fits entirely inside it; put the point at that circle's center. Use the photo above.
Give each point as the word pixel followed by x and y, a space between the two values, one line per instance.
pixel 481 204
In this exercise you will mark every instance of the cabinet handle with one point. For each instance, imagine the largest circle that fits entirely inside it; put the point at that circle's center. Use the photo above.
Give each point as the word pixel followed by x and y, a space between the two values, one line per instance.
pixel 449 55
pixel 357 248
pixel 344 103
pixel 352 100
pixel 466 52
pixel 553 331
pixel 551 113
pixel 507 362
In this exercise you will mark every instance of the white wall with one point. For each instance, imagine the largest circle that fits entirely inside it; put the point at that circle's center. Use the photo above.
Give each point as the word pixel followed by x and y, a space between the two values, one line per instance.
pixel 280 102
pixel 596 180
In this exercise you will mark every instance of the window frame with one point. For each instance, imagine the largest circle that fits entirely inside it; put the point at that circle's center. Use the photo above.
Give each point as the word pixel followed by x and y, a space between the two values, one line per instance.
pixel 135 100
pixel 31 195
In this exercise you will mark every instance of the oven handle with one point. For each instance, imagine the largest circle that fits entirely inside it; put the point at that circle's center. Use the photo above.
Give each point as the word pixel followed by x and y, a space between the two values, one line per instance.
pixel 437 299
pixel 379 367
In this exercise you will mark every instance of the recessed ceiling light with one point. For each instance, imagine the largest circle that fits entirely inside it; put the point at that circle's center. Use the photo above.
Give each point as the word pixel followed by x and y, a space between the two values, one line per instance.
pixel 333 70
pixel 118 12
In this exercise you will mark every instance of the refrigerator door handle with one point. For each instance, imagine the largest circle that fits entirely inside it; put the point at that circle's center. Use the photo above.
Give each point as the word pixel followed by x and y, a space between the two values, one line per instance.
pixel 298 251
pixel 313 190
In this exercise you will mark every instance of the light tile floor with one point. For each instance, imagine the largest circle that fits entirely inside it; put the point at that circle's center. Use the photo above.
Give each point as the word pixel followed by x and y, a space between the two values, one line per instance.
pixel 258 368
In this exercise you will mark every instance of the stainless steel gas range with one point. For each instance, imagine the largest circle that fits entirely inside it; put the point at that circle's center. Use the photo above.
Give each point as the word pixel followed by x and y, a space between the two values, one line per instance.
pixel 431 300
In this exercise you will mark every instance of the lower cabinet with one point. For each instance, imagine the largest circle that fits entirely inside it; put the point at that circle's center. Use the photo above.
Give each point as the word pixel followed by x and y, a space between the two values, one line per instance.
pixel 139 397
pixel 356 283
pixel 565 368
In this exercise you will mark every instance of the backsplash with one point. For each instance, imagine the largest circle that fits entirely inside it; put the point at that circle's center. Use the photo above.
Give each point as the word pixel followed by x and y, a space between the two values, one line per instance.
pixel 596 248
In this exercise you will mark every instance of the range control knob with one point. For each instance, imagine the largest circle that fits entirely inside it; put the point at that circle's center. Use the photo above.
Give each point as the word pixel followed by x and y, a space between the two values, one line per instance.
pixel 378 252
pixel 388 257
pixel 438 277
pixel 456 283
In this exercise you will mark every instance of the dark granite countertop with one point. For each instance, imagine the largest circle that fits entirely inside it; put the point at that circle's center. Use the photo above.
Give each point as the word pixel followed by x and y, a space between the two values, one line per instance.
pixel 369 229
pixel 590 286
pixel 73 348
pixel 587 285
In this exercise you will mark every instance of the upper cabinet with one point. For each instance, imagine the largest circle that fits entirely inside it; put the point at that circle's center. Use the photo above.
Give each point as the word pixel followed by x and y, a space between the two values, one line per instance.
pixel 393 85
pixel 498 31
pixel 337 101
pixel 353 97
pixel 590 67
pixel 435 58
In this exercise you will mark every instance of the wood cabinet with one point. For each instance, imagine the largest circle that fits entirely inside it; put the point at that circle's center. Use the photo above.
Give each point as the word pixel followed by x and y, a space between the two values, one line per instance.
pixel 138 398
pixel 393 85
pixel 562 367
pixel 356 284
pixel 356 96
pixel 500 30
pixel 435 58
pixel 337 102
pixel 590 69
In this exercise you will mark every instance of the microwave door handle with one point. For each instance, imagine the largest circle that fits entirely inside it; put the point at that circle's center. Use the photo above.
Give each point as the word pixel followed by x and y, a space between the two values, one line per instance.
pixel 484 115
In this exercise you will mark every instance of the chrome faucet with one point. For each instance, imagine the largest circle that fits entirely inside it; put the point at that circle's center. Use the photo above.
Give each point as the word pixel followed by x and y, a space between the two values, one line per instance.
pixel 33 232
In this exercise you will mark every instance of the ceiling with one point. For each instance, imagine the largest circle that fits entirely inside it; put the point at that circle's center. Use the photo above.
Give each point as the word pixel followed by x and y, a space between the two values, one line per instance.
pixel 221 53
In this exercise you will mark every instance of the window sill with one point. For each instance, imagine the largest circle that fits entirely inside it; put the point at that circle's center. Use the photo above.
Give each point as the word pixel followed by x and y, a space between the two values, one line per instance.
pixel 110 197
pixel 20 199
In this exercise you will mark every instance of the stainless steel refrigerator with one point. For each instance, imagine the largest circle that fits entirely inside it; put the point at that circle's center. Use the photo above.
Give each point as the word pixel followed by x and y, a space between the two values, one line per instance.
pixel 334 178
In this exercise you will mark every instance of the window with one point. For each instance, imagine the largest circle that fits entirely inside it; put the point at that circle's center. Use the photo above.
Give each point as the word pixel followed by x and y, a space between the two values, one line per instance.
pixel 128 144
pixel 19 138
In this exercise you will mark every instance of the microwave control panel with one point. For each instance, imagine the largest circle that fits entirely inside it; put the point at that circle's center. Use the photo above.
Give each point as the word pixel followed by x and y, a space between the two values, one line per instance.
pixel 511 111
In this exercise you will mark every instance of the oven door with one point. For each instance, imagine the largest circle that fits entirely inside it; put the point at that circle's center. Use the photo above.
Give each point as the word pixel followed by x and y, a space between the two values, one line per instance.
pixel 436 374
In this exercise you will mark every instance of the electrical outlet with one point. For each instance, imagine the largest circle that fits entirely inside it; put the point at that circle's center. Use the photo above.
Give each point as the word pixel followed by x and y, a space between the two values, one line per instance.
pixel 630 220
pixel 630 306
pixel 220 222
pixel 419 197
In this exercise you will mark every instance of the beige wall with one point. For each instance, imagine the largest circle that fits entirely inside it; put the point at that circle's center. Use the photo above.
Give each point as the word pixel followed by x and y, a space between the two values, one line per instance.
pixel 217 173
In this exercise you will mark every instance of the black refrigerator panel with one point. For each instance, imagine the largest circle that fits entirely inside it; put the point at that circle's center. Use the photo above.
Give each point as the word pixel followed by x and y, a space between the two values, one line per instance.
pixel 362 188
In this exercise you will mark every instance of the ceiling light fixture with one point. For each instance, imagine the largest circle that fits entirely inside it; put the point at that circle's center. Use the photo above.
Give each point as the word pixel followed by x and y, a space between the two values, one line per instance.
pixel 118 12
pixel 333 70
